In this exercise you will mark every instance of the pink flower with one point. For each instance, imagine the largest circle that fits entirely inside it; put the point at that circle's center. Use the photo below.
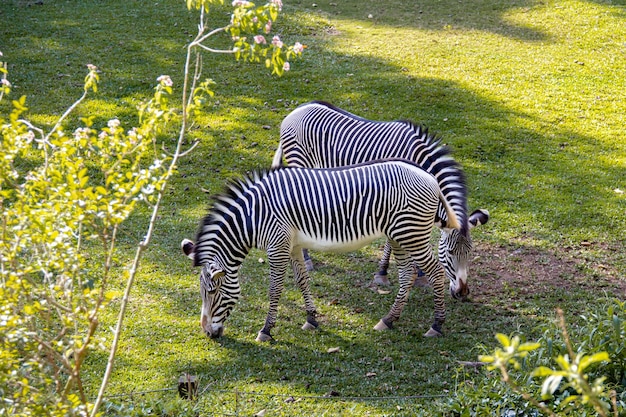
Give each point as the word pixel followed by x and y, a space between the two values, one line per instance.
pixel 277 42
pixel 286 66
pixel 242 3
pixel 278 3
pixel 165 80
pixel 298 48
pixel 260 39
pixel 268 26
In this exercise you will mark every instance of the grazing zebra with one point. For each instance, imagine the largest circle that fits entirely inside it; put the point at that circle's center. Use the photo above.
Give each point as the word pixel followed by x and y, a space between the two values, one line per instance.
pixel 320 135
pixel 341 209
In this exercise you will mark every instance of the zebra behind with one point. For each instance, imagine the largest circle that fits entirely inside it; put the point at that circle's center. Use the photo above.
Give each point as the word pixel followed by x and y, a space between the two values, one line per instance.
pixel 320 135
pixel 342 209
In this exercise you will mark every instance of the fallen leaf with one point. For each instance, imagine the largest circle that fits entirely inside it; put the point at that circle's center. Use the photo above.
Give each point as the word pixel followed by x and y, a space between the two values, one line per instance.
pixel 260 413
pixel 333 350
pixel 383 291
pixel 370 374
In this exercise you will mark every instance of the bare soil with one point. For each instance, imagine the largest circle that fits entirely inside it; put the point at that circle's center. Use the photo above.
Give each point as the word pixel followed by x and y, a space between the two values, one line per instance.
pixel 529 271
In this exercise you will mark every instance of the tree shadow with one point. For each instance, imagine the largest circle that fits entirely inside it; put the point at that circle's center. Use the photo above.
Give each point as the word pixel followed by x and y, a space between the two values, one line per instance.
pixel 513 170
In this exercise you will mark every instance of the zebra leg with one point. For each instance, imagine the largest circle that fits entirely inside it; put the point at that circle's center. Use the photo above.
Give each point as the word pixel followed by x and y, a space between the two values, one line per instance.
pixel 278 268
pixel 405 278
pixel 302 280
pixel 380 278
pixel 308 263
pixel 437 280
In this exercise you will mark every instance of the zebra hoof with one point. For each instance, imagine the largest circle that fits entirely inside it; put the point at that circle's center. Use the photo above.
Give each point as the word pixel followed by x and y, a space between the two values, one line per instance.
pixel 381 326
pixel 263 337
pixel 308 264
pixel 381 280
pixel 308 326
pixel 432 333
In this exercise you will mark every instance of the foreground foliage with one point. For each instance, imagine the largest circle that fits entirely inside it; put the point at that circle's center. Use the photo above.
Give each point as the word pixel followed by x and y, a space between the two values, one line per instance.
pixel 524 92
pixel 567 372
pixel 63 198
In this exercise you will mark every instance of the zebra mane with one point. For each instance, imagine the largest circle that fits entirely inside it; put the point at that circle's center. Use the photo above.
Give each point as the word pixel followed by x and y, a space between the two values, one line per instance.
pixel 436 158
pixel 220 203
pixel 233 190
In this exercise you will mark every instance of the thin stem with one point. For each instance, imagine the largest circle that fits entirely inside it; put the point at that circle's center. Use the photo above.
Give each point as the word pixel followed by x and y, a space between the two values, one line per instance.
pixel 144 244
pixel 507 379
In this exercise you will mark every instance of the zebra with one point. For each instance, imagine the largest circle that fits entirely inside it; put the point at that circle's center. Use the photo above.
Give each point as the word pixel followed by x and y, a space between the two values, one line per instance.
pixel 320 135
pixel 342 209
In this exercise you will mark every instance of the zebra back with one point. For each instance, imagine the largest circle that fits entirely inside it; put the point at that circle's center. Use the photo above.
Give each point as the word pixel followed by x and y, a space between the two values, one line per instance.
pixel 320 135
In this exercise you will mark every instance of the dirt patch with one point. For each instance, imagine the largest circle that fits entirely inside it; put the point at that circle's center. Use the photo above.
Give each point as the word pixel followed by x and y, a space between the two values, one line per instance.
pixel 528 271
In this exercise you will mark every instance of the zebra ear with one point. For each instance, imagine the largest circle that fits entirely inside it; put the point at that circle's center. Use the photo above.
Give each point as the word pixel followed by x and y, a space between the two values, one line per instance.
pixel 478 217
pixel 188 248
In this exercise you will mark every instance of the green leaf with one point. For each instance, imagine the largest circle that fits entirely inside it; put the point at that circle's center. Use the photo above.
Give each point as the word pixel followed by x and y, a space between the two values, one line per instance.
pixel 542 371
pixel 503 339
pixel 526 347
pixel 588 360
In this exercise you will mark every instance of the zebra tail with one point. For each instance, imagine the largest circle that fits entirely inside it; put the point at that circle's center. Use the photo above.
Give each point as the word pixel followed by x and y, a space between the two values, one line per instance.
pixel 277 162
pixel 453 220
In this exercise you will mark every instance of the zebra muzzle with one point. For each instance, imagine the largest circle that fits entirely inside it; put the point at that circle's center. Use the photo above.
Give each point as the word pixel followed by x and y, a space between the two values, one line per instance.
pixel 215 333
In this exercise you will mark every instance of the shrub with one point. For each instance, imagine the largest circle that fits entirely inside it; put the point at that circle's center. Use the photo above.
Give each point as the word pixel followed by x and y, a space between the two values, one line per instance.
pixel 549 377
pixel 63 198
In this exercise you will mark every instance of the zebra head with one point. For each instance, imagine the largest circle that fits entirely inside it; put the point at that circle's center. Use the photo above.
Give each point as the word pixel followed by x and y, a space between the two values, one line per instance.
pixel 454 253
pixel 219 292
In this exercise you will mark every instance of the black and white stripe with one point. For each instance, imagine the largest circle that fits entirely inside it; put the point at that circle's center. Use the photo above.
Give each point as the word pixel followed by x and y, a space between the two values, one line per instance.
pixel 320 135
pixel 341 209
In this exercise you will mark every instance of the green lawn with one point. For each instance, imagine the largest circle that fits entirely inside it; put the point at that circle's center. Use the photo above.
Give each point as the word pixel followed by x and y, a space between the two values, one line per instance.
pixel 529 95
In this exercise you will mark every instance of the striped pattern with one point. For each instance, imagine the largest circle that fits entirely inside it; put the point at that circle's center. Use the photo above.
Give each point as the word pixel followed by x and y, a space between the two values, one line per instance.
pixel 320 135
pixel 285 210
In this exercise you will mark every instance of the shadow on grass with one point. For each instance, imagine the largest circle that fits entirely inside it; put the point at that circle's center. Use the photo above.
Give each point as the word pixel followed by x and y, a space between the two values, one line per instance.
pixel 536 178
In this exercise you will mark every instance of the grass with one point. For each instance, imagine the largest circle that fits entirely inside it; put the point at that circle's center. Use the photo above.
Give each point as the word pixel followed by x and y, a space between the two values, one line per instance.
pixel 527 93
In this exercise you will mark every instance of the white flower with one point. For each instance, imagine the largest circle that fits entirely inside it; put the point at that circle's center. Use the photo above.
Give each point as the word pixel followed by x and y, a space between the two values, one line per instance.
pixel 277 42
pixel 278 3
pixel 81 133
pixel 286 66
pixel 113 123
pixel 30 136
pixel 298 48
pixel 165 80
pixel 5 82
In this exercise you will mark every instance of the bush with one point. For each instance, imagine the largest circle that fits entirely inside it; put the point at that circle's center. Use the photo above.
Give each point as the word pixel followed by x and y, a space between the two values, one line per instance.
pixel 63 197
pixel 549 377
